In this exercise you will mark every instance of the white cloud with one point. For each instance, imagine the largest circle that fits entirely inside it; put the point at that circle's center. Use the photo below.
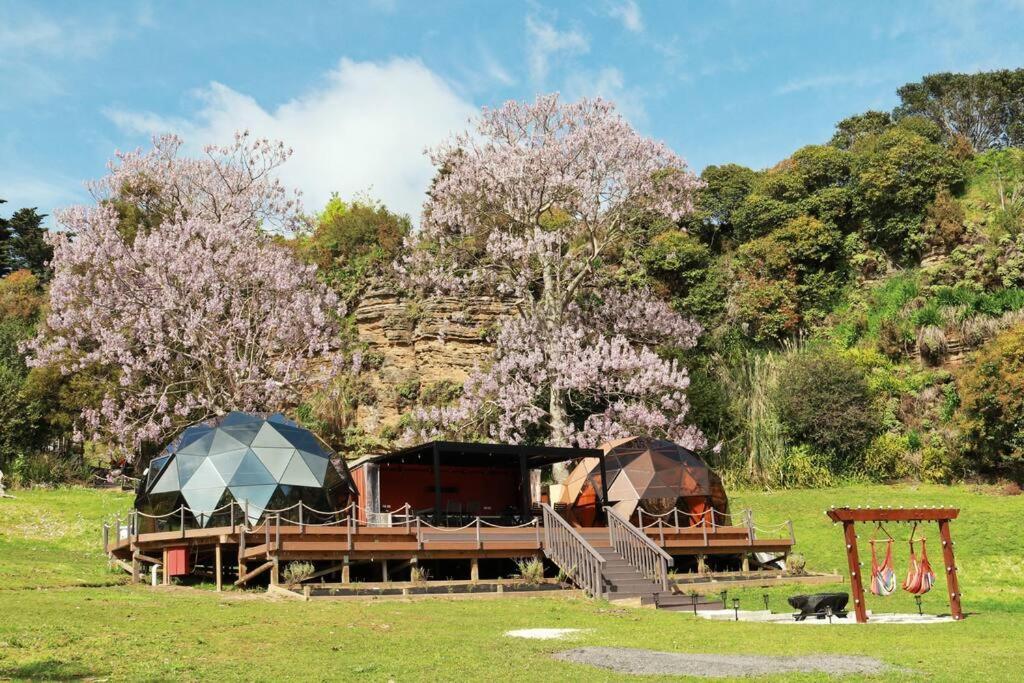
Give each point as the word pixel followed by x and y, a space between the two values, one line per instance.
pixel 26 187
pixel 494 69
pixel 608 83
pixel 857 79
pixel 628 13
pixel 543 41
pixel 364 130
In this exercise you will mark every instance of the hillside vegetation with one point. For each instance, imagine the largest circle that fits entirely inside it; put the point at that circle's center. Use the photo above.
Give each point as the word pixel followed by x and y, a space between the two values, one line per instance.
pixel 861 301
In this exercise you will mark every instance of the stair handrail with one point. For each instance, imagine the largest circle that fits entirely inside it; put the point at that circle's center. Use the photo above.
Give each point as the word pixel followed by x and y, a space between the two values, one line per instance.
pixel 637 549
pixel 572 553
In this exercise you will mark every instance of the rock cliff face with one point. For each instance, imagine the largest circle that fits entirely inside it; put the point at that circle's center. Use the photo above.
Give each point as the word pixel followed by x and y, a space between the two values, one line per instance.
pixel 419 347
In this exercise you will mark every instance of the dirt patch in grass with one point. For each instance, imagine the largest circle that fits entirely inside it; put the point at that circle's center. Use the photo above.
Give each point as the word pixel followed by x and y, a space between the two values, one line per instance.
pixel 650 662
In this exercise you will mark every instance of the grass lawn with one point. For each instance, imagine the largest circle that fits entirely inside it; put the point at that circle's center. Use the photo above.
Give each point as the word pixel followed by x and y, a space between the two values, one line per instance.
pixel 75 628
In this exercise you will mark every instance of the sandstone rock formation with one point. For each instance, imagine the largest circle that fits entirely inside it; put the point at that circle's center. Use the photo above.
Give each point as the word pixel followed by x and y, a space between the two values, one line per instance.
pixel 417 346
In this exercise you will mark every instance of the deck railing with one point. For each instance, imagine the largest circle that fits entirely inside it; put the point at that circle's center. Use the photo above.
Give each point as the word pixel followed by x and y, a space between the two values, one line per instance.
pixel 572 553
pixel 636 548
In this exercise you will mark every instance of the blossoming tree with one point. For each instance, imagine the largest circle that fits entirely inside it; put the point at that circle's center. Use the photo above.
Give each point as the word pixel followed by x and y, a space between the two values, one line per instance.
pixel 173 284
pixel 530 205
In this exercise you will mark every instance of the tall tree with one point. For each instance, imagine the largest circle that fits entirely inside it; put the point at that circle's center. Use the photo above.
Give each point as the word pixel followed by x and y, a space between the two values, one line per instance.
pixel 23 243
pixel 987 109
pixel 531 204
pixel 194 309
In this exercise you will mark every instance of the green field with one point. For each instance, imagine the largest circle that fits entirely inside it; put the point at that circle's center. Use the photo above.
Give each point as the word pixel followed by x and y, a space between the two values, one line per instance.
pixel 63 615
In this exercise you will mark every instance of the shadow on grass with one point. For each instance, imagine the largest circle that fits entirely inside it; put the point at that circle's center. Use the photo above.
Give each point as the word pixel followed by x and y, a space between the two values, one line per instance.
pixel 47 670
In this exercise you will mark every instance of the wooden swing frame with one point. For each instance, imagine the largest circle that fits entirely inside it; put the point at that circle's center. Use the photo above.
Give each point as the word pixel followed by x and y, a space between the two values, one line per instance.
pixel 943 516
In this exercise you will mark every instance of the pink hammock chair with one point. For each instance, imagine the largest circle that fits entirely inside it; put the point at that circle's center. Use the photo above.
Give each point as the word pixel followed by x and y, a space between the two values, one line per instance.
pixel 883 576
pixel 920 577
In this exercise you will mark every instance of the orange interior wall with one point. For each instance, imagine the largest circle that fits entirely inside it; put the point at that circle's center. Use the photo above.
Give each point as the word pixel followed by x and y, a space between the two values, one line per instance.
pixel 496 488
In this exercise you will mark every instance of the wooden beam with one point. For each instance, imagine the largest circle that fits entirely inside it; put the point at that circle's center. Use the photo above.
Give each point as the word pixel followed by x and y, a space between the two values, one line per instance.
pixel 167 577
pixel 323 572
pixel 474 569
pixel 218 566
pixel 148 558
pixel 856 581
pixel 892 514
pixel 949 561
pixel 254 573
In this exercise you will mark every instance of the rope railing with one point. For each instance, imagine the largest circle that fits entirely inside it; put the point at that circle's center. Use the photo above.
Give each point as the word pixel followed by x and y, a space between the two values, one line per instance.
pixel 299 514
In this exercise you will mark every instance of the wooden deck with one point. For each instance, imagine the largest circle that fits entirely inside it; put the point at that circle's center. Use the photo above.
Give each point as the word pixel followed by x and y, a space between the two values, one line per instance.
pixel 267 546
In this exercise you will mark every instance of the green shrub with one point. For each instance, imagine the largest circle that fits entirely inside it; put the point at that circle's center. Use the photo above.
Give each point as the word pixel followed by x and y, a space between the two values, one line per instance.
pixel 939 465
pixel 531 571
pixel 824 402
pixel 888 457
pixel 991 390
pixel 802 467
pixel 297 572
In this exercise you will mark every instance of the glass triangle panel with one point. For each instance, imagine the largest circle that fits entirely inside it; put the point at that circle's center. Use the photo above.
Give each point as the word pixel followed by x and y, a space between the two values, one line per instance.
pixel 203 502
pixel 200 446
pixel 222 441
pixel 317 464
pixel 256 497
pixel 187 465
pixel 205 476
pixel 268 436
pixel 298 474
pixel 274 459
pixel 251 472
pixel 168 481
pixel 227 462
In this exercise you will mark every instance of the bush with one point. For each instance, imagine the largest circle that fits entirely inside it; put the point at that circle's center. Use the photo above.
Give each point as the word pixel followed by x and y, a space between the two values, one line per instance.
pixel 297 572
pixel 991 390
pixel 801 467
pixel 824 402
pixel 939 465
pixel 888 457
pixel 531 571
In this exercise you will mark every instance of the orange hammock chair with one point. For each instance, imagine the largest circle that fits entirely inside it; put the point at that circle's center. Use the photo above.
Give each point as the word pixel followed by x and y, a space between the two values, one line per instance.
pixel 920 577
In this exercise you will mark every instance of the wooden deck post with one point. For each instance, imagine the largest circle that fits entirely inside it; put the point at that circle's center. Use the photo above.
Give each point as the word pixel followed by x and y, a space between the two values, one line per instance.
pixel 218 566
pixel 702 566
pixel 167 576
pixel 275 574
pixel 346 576
pixel 384 571
pixel 135 566
pixel 746 562
pixel 474 569
pixel 856 582
pixel 949 561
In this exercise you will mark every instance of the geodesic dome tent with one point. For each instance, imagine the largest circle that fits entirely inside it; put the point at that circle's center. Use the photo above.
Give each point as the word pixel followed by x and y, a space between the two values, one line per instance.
pixel 260 462
pixel 653 474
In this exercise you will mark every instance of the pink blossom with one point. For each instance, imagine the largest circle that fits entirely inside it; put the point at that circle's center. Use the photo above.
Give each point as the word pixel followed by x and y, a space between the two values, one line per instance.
pixel 200 311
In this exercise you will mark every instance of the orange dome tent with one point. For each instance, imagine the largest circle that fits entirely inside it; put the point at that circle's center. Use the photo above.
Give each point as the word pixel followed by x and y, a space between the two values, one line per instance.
pixel 654 474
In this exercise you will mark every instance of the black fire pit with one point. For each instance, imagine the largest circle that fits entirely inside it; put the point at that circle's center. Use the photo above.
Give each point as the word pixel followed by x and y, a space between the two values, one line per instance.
pixel 820 605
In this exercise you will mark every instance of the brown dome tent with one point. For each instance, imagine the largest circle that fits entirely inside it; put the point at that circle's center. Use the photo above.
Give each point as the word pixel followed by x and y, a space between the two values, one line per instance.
pixel 652 474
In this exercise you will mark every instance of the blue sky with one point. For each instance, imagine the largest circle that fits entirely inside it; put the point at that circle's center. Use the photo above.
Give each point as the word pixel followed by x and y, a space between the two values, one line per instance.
pixel 358 89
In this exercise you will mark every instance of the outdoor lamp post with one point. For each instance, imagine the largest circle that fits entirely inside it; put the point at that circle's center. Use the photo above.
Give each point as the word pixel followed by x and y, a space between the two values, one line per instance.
pixel 725 597
pixel 736 608
pixel 693 599
pixel 765 596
